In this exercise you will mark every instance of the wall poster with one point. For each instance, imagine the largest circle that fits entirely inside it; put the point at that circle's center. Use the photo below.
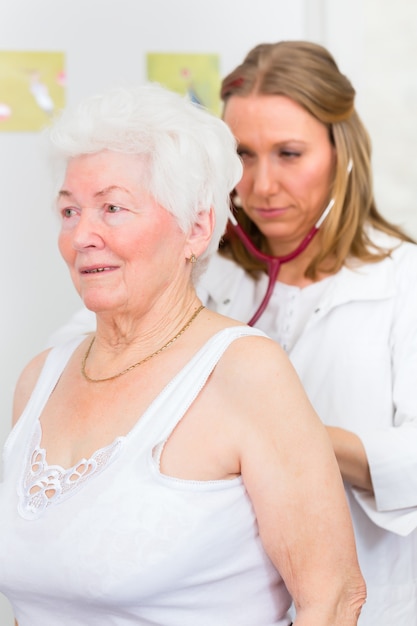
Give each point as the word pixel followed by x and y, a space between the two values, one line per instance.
pixel 197 75
pixel 32 89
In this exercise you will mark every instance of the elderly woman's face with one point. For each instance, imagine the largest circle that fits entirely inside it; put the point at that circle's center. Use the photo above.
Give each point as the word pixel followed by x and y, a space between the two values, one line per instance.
pixel 288 162
pixel 122 248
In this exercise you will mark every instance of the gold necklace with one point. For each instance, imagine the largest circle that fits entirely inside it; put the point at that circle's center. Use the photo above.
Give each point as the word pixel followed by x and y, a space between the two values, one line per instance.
pixel 147 358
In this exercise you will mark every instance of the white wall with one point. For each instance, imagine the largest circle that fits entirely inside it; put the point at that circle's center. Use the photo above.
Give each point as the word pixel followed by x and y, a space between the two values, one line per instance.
pixel 390 105
pixel 105 42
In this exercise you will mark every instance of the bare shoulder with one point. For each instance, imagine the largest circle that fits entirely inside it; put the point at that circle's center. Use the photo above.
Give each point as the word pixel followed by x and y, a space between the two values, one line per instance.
pixel 256 362
pixel 263 394
pixel 26 383
pixel 258 346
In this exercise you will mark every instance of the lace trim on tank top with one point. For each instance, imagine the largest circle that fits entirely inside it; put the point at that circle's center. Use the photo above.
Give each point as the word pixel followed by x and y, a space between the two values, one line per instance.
pixel 44 485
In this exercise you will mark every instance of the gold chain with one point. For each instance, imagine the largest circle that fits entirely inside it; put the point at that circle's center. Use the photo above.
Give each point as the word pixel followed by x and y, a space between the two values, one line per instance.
pixel 147 358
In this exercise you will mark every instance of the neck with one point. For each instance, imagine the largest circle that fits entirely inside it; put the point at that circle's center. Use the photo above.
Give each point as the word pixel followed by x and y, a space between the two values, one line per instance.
pixel 143 360
pixel 141 331
pixel 292 271
pixel 293 274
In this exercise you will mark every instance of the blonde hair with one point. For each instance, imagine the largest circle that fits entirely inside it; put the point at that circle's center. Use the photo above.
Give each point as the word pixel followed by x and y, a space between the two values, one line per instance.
pixel 308 74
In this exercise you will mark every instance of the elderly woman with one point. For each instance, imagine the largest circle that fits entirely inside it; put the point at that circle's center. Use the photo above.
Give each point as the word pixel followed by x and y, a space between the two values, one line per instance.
pixel 159 473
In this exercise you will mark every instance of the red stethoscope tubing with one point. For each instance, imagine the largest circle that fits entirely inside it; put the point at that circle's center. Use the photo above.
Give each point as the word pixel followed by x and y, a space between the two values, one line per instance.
pixel 273 263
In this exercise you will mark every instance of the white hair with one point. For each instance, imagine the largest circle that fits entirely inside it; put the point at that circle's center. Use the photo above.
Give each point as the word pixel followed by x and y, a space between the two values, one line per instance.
pixel 193 163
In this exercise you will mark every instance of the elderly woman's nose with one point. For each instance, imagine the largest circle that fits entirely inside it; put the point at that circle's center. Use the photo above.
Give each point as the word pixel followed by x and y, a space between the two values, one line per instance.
pixel 88 231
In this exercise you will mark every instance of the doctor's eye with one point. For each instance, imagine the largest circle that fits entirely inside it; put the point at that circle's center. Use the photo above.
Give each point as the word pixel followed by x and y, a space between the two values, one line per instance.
pixel 289 154
pixel 245 155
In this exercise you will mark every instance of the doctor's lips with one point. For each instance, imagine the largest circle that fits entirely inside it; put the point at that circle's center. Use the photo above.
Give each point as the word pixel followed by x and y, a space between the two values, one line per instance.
pixel 270 211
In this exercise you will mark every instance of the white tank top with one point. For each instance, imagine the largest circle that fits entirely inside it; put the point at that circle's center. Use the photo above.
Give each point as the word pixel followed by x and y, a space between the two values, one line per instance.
pixel 123 544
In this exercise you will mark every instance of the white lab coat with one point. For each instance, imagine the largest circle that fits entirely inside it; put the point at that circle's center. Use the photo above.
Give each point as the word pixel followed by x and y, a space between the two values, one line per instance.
pixel 357 360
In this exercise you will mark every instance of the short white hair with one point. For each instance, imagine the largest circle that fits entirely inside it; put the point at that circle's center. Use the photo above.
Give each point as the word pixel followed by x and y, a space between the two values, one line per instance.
pixel 193 162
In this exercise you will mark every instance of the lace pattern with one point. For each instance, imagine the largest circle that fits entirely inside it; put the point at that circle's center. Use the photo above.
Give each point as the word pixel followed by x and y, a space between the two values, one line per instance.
pixel 44 485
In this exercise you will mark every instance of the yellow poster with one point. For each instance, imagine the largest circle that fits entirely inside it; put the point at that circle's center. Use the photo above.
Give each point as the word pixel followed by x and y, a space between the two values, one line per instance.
pixel 32 89
pixel 197 75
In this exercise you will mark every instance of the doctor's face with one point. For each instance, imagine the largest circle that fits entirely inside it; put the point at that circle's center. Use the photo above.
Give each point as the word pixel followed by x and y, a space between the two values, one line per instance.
pixel 289 164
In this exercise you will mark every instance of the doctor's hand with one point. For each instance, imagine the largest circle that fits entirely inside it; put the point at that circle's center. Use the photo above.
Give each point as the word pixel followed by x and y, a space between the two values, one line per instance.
pixel 351 457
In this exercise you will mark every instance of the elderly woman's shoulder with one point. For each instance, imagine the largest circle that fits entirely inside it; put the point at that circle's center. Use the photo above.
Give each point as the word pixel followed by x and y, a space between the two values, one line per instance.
pixel 251 349
pixel 255 378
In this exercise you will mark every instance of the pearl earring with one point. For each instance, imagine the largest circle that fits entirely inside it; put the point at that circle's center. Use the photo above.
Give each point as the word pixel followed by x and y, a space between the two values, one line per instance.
pixel 237 201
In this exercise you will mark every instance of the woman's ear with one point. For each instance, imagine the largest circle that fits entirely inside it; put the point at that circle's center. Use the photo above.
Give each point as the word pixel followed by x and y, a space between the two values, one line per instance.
pixel 200 233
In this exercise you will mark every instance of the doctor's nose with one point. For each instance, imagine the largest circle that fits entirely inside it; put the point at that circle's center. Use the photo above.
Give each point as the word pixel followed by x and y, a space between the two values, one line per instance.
pixel 266 178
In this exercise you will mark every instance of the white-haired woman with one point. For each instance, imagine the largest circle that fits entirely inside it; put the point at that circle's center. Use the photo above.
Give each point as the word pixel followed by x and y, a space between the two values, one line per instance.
pixel 168 470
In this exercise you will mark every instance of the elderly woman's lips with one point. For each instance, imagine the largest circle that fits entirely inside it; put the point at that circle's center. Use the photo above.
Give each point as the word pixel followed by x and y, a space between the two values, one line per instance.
pixel 96 270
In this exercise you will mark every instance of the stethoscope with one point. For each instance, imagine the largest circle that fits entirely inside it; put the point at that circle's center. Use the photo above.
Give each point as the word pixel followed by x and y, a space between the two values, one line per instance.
pixel 273 263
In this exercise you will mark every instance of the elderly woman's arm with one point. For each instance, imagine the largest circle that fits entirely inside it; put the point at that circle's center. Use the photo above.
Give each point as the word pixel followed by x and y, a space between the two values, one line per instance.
pixel 293 480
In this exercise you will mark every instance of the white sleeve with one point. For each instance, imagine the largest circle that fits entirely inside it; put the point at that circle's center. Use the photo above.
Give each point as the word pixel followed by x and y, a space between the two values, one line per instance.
pixel 392 457
pixel 392 452
pixel 401 522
